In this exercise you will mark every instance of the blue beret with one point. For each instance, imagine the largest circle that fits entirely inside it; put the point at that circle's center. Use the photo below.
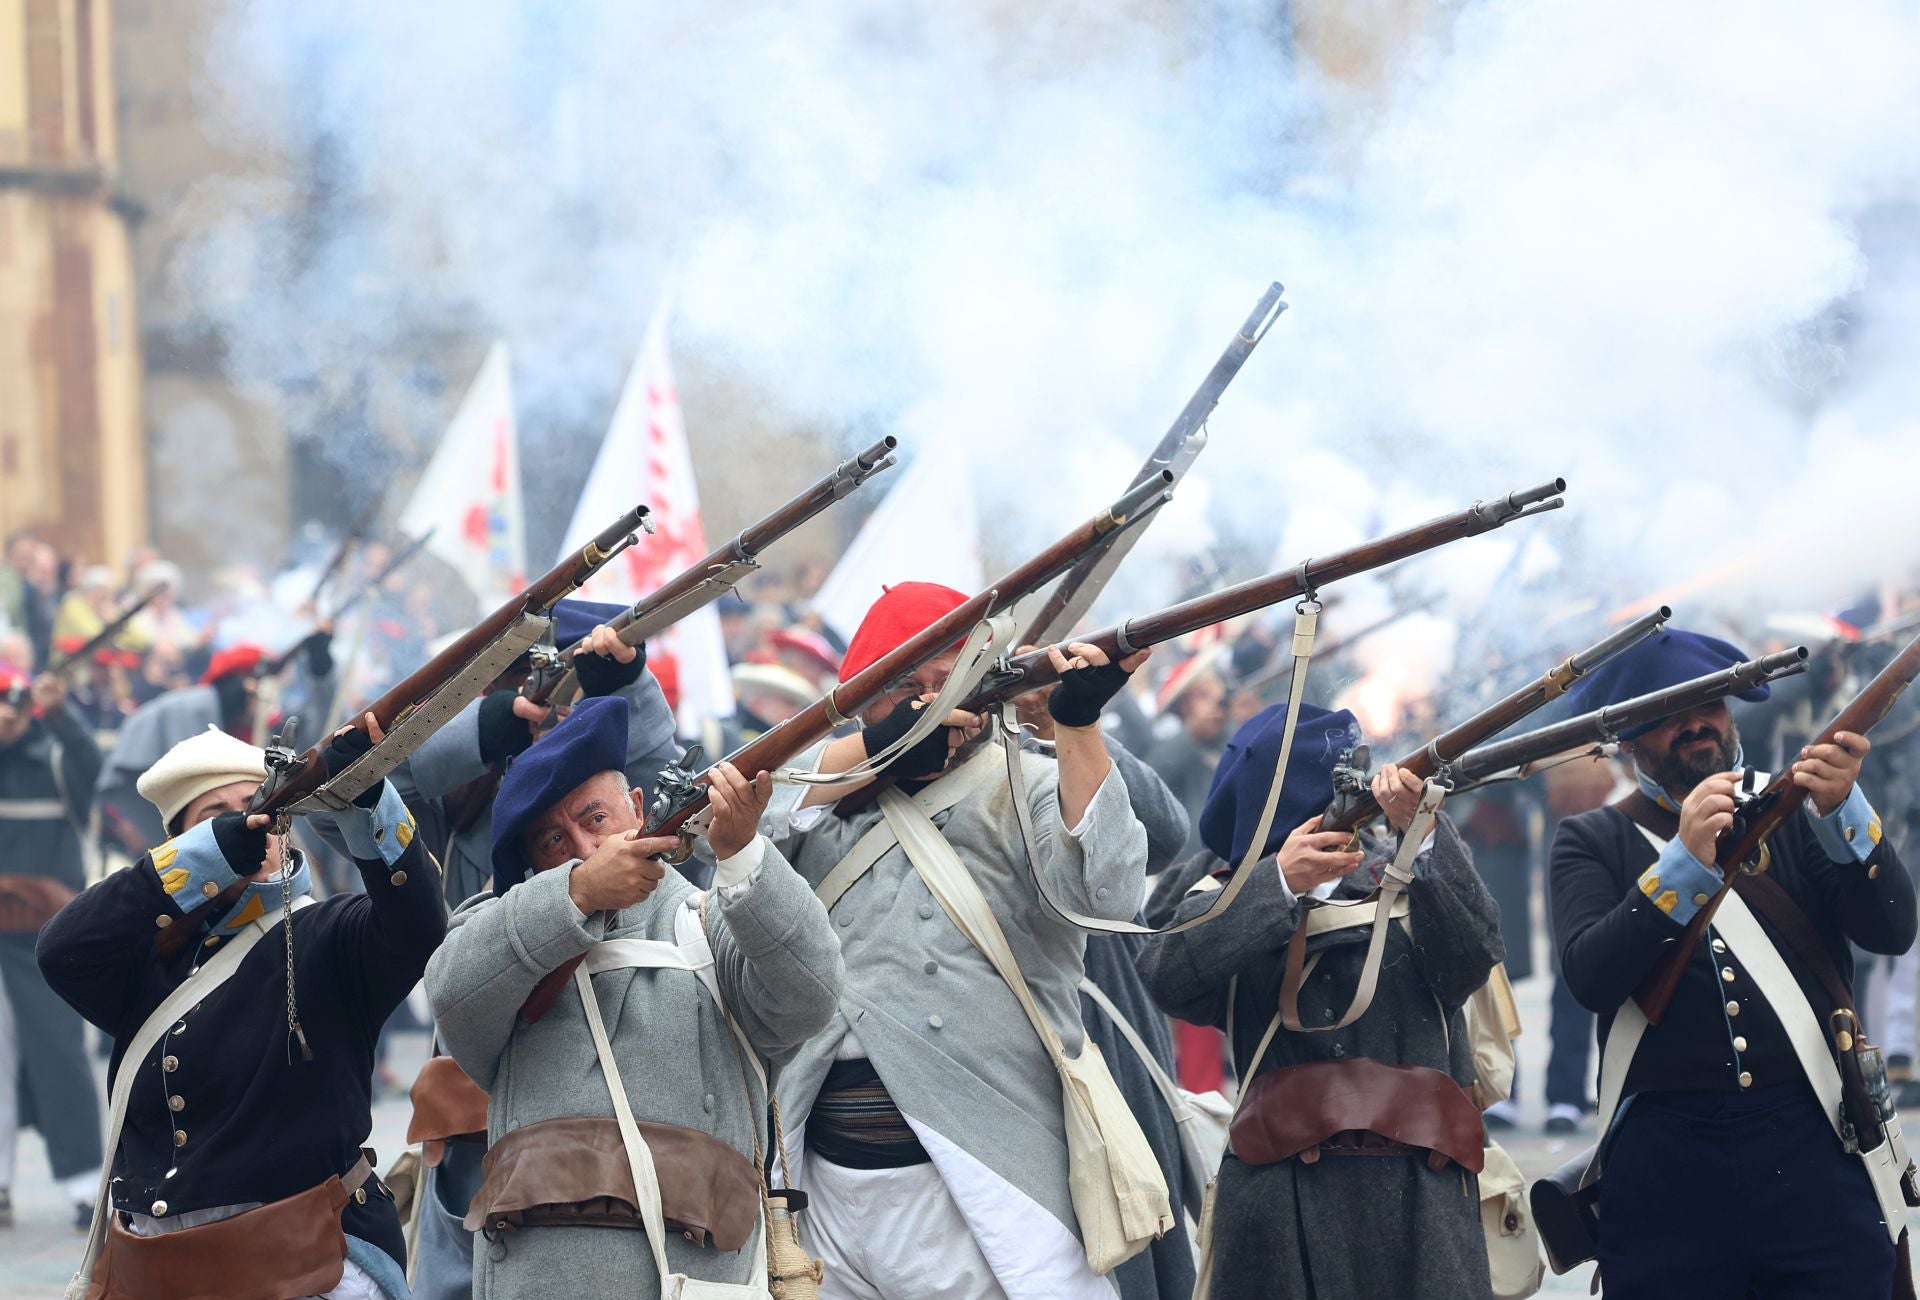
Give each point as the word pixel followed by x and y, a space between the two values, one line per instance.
pixel 1245 774
pixel 573 619
pixel 1666 658
pixel 592 740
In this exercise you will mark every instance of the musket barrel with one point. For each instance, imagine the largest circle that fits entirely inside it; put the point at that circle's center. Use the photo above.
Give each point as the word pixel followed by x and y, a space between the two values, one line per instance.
pixel 1632 634
pixel 1140 500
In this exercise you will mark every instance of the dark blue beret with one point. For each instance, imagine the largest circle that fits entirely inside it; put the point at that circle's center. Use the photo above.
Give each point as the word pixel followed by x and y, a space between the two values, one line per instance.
pixel 573 619
pixel 591 740
pixel 1245 774
pixel 1666 658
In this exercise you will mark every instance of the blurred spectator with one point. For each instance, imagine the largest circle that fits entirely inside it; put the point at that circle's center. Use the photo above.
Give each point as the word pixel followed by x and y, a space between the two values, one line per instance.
pixel 1194 695
pixel 88 607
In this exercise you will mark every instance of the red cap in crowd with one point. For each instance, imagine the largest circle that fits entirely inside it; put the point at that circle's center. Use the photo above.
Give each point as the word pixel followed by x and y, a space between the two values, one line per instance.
pixel 666 670
pixel 242 658
pixel 813 650
pixel 903 611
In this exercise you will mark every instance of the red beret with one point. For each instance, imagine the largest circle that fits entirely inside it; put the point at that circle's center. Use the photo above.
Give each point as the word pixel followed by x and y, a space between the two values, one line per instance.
pixel 902 612
pixel 242 658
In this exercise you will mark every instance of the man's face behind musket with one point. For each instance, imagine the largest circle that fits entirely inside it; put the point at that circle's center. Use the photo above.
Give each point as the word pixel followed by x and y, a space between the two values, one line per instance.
pixel 594 811
pixel 1687 748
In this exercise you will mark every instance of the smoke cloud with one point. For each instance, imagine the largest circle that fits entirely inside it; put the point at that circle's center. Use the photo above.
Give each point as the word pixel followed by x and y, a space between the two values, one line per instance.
pixel 1667 251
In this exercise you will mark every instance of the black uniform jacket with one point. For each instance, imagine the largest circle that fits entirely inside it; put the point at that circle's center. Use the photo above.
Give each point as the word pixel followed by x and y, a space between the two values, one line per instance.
pixel 1718 1031
pixel 225 1110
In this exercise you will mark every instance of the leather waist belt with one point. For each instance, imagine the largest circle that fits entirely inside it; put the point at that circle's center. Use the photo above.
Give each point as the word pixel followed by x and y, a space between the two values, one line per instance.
pixel 574 1172
pixel 290 1247
pixel 1357 1107
pixel 447 1106
pixel 29 902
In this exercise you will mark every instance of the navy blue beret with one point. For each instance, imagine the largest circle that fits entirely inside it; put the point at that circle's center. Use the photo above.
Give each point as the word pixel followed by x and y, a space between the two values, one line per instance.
pixel 574 619
pixel 1241 782
pixel 591 740
pixel 1666 658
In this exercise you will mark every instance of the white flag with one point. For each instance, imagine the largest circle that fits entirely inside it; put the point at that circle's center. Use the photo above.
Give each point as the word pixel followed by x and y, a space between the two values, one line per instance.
pixel 926 530
pixel 645 458
pixel 470 493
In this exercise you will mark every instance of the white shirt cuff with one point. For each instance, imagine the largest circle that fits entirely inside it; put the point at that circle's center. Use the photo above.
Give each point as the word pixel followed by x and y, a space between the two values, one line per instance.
pixel 743 867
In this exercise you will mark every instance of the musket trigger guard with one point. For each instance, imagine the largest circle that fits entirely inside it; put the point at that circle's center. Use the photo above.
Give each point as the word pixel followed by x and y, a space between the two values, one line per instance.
pixel 674 857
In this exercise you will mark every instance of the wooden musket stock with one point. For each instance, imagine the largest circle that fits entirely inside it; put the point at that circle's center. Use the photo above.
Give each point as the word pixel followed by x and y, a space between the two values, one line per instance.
pixel 1743 845
pixel 681 796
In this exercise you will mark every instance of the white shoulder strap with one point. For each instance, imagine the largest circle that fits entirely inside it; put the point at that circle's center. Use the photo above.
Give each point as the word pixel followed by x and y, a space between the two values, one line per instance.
pixel 958 894
pixel 217 971
pixel 973 775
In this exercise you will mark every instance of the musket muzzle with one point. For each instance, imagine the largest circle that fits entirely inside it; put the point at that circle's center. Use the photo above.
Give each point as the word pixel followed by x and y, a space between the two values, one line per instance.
pixel 876 453
pixel 1518 505
pixel 1140 501
pixel 1768 668
pixel 609 540
pixel 1631 635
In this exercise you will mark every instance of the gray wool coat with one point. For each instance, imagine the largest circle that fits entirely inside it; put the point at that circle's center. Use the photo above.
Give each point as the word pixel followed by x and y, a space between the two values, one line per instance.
pixel 1345 1227
pixel 942 1029
pixel 778 968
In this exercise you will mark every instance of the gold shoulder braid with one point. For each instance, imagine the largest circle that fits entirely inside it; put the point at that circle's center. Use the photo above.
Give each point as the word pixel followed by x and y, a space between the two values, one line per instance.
pixel 792 1274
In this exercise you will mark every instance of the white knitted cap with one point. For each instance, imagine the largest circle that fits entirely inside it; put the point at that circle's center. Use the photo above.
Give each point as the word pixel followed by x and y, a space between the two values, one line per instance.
pixel 196 765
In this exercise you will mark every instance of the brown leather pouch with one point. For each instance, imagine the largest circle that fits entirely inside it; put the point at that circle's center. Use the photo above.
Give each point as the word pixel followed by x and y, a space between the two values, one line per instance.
pixel 1299 1109
pixel 29 902
pixel 447 1106
pixel 291 1247
pixel 574 1171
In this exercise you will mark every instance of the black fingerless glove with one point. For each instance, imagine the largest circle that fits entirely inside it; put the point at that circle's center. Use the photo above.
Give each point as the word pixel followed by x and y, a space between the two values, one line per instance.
pixel 604 675
pixel 925 758
pixel 242 847
pixel 503 733
pixel 319 648
pixel 1083 692
pixel 340 753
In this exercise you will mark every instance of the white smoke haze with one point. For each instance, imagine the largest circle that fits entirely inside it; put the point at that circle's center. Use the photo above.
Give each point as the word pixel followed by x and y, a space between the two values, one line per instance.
pixel 1667 251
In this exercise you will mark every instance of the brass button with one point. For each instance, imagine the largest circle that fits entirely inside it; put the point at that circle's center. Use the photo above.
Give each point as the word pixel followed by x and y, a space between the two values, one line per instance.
pixel 359 1196
pixel 159 1209
pixel 1873 872
pixel 1739 1044
pixel 379 834
pixel 397 879
pixel 1746 1080
pixel 1733 1008
pixel 1847 834
pixel 180 1028
pixel 1719 945
pixel 179 1137
pixel 1726 973
pixel 163 920
pixel 169 1063
pixel 208 943
pixel 1699 900
pixel 210 890
pixel 176 1103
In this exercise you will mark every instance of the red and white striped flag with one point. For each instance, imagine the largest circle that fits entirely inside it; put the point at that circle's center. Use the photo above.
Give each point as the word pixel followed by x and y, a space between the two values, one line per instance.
pixel 645 458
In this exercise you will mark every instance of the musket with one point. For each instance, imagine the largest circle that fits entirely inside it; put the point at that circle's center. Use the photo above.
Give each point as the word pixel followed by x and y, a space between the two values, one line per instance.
pixel 297 782
pixel 63 664
pixel 1353 803
pixel 1069 602
pixel 681 794
pixel 1034 670
pixel 355 531
pixel 1742 847
pixel 552 679
pixel 1597 734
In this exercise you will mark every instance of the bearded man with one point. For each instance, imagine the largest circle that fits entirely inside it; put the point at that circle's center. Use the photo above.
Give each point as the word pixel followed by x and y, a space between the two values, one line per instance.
pixel 1724 1175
